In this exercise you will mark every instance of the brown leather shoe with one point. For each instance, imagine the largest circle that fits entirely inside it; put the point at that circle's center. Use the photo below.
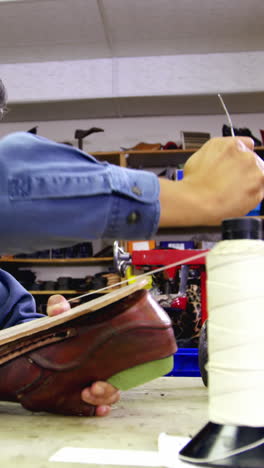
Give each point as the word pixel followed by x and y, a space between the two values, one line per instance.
pixel 46 363
pixel 142 146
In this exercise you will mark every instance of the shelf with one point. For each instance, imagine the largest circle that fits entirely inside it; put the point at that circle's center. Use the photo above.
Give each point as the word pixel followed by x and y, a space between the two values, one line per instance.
pixel 260 151
pixel 68 292
pixel 156 158
pixel 112 157
pixel 57 291
pixel 161 158
pixel 57 261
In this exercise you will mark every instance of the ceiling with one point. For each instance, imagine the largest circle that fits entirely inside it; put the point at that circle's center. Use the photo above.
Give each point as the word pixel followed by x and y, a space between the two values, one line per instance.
pixel 60 30
pixel 44 30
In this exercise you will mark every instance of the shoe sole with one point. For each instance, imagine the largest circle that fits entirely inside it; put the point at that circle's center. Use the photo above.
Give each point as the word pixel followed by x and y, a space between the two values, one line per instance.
pixel 141 374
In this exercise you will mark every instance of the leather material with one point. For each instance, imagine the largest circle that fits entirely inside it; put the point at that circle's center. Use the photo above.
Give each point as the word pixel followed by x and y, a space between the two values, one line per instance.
pixel 47 372
pixel 142 146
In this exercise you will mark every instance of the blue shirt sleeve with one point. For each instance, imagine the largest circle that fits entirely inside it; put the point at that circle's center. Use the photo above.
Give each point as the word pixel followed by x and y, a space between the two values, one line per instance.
pixel 54 195
pixel 16 304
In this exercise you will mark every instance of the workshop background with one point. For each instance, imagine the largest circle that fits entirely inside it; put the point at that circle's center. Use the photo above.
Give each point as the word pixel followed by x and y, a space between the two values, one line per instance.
pixel 136 83
pixel 131 75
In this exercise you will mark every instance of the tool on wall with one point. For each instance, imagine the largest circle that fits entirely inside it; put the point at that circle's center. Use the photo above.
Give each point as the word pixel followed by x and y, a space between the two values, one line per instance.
pixel 33 130
pixel 81 134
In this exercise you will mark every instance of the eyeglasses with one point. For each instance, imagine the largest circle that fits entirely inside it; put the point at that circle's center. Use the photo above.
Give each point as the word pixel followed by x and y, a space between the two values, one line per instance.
pixel 3 112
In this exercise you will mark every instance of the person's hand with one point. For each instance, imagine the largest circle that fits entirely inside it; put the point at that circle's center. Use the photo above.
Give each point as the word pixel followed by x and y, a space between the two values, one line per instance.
pixel 100 394
pixel 223 179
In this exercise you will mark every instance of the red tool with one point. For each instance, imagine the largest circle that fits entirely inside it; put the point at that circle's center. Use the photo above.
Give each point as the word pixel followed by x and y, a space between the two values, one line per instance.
pixel 161 257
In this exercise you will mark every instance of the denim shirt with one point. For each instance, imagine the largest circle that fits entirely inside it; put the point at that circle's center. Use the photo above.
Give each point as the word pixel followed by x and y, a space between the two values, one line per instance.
pixel 54 195
pixel 16 304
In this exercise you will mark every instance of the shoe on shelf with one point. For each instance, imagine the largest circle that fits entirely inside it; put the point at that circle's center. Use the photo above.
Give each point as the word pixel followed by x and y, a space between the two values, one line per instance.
pixel 226 131
pixel 170 145
pixel 124 338
pixel 142 146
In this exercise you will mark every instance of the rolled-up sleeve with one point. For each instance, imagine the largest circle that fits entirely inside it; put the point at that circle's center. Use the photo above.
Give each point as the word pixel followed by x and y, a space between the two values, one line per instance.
pixel 54 195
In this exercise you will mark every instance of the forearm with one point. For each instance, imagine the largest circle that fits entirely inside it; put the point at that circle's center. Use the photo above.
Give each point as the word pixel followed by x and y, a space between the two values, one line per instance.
pixel 181 206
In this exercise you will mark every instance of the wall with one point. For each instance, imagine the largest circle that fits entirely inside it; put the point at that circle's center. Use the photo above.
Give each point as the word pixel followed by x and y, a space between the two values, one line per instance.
pixel 127 132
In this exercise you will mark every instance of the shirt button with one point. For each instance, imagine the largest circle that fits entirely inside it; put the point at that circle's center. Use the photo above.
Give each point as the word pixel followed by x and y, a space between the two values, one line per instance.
pixel 133 217
pixel 136 190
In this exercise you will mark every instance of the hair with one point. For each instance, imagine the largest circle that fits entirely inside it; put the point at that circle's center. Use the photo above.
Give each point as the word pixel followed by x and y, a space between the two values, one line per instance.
pixel 3 98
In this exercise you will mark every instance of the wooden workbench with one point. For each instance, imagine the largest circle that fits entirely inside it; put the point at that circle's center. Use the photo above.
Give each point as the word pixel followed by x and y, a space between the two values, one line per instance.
pixel 174 405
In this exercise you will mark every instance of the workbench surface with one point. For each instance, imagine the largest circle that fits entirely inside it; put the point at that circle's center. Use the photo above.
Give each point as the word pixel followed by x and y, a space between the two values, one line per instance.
pixel 174 405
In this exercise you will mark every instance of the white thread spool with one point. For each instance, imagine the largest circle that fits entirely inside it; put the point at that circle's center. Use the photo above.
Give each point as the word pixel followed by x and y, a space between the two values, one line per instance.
pixel 235 332
pixel 234 435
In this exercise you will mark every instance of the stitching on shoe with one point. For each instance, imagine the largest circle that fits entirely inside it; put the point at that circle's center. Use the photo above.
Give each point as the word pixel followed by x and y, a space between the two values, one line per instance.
pixel 110 334
pixel 32 344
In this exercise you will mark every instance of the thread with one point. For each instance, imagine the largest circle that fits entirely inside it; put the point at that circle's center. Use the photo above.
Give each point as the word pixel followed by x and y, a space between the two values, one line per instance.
pixel 143 275
pixel 227 115
pixel 235 332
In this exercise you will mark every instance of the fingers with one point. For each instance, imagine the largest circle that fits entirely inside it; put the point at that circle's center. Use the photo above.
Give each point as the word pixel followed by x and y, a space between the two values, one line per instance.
pixel 102 410
pixel 223 143
pixel 57 304
pixel 245 143
pixel 260 163
pixel 101 393
pixel 223 179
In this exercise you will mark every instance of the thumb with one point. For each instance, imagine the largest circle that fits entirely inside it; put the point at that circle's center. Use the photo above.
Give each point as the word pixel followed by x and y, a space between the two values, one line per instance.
pixel 57 304
pixel 245 143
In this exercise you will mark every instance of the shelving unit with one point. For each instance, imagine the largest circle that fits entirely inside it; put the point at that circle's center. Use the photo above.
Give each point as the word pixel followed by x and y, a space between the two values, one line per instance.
pixel 157 158
pixel 113 157
pixel 68 292
pixel 55 291
pixel 11 264
pixel 160 158
pixel 56 261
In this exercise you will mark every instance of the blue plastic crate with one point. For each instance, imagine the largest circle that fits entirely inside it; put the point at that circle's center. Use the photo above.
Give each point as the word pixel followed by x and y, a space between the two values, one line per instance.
pixel 178 245
pixel 179 174
pixel 185 363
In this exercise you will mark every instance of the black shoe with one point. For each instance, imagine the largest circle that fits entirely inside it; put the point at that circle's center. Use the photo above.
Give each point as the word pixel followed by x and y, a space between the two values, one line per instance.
pixel 226 131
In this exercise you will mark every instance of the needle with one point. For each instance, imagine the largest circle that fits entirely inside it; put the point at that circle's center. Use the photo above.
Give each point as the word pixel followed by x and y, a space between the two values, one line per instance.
pixel 227 114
